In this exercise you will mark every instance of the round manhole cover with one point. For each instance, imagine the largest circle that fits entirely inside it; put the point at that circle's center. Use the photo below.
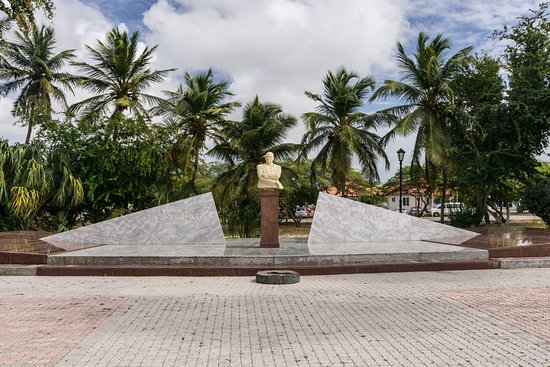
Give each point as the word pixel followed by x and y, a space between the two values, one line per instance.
pixel 277 277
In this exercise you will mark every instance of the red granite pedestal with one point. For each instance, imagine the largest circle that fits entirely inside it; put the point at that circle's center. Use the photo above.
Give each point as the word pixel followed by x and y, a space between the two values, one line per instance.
pixel 269 229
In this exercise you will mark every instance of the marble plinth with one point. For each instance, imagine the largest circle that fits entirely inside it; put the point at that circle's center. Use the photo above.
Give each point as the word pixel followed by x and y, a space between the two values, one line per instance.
pixel 339 220
pixel 192 221
pixel 269 229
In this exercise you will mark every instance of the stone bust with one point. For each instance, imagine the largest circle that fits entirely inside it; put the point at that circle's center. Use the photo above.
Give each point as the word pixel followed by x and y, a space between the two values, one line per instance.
pixel 269 173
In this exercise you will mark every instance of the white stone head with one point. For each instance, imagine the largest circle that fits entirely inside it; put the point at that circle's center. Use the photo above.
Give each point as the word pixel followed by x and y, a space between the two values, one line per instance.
pixel 268 157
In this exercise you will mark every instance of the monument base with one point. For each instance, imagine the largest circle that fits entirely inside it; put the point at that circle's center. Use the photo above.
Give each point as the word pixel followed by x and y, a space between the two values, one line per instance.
pixel 269 229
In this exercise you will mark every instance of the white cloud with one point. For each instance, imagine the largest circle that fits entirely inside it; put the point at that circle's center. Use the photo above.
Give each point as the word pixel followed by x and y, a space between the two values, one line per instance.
pixel 468 22
pixel 276 49
pixel 7 129
pixel 77 24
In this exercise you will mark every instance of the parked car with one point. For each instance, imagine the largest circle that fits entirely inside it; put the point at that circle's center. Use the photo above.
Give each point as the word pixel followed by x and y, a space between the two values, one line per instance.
pixel 300 212
pixel 403 210
pixel 415 212
pixel 448 208
pixel 283 214
pixel 434 209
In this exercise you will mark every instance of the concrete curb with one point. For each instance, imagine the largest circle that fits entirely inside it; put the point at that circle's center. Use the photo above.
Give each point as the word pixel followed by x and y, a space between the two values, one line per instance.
pixel 524 262
pixel 22 270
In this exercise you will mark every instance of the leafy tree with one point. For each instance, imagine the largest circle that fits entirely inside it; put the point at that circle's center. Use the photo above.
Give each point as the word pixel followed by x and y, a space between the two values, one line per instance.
pixel 428 107
pixel 298 189
pixel 515 125
pixel 119 76
pixel 490 159
pixel 33 178
pixel 196 113
pixel 22 11
pixel 132 172
pixel 527 59
pixel 340 130
pixel 263 128
pixel 30 66
pixel 536 197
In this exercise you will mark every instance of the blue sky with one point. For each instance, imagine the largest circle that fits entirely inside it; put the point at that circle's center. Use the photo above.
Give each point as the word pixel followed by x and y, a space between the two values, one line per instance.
pixel 277 49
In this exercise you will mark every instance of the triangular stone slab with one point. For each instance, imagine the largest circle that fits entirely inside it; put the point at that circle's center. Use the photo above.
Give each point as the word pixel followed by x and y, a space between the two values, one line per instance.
pixel 192 221
pixel 340 220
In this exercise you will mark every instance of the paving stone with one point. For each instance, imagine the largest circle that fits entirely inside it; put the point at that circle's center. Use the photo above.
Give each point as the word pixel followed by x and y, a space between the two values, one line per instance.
pixel 451 318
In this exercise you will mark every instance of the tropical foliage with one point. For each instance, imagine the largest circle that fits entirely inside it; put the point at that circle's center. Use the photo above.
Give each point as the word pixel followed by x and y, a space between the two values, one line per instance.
pixel 427 99
pixel 119 77
pixel 536 197
pixel 514 122
pixel 263 128
pixel 123 149
pixel 22 11
pixel 427 95
pixel 133 172
pixel 30 66
pixel 195 113
pixel 34 179
pixel 340 131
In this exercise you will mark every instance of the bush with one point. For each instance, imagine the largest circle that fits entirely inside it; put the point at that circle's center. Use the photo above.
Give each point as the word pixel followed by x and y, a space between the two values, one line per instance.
pixel 465 218
pixel 536 198
pixel 242 217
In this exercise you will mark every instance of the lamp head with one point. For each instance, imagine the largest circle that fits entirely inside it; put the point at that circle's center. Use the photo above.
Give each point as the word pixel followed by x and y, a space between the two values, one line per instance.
pixel 401 154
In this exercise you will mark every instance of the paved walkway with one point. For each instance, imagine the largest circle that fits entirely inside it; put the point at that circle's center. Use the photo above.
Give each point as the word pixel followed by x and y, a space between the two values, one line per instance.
pixel 466 318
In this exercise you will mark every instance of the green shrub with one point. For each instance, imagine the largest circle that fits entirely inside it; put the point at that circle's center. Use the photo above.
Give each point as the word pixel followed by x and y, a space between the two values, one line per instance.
pixel 465 218
pixel 536 198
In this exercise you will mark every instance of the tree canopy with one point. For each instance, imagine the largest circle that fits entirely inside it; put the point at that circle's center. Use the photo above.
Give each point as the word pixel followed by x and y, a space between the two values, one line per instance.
pixel 119 77
pixel 30 66
pixel 339 130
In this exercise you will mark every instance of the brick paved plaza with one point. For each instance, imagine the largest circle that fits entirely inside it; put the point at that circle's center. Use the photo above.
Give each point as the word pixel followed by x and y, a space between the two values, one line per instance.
pixel 456 318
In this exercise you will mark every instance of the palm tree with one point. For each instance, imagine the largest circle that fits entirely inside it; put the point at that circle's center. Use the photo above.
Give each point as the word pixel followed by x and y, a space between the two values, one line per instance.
pixel 340 130
pixel 119 76
pixel 5 25
pixel 428 99
pixel 197 112
pixel 30 66
pixel 263 128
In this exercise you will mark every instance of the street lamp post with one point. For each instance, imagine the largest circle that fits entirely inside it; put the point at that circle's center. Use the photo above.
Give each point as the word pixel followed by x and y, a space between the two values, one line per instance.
pixel 401 156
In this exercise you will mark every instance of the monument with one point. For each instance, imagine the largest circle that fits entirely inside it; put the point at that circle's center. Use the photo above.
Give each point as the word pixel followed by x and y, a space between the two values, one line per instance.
pixel 339 220
pixel 268 182
pixel 191 221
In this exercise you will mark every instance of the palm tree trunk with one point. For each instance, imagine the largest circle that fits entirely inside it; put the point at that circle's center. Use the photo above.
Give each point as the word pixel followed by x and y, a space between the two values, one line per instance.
pixel 29 133
pixel 443 194
pixel 195 169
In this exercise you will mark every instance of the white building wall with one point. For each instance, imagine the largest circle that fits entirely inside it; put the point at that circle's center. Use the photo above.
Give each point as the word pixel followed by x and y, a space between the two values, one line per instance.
pixel 409 201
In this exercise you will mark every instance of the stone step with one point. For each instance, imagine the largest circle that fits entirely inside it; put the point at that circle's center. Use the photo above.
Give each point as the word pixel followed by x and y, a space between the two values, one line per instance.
pixel 24 270
pixel 524 262
pixel 251 260
pixel 248 253
pixel 249 270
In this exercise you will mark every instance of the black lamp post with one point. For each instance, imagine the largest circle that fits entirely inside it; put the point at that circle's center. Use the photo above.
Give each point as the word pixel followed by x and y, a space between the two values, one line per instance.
pixel 401 156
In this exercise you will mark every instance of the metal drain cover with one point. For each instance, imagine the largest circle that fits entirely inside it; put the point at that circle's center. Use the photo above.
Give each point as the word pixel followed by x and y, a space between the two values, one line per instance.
pixel 277 277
